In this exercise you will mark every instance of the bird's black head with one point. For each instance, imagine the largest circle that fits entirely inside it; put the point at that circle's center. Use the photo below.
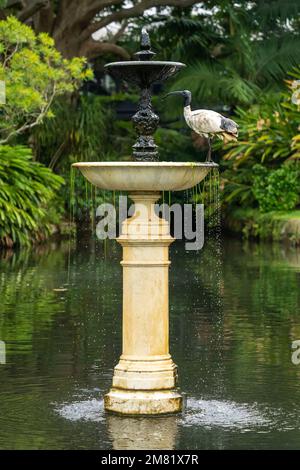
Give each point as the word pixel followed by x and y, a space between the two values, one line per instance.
pixel 187 96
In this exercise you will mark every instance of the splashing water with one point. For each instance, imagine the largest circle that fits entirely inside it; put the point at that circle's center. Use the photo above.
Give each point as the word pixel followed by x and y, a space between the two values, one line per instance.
pixel 87 410
pixel 204 413
pixel 225 414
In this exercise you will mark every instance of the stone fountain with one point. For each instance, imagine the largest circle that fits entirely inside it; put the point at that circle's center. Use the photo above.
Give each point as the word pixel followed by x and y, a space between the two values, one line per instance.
pixel 145 379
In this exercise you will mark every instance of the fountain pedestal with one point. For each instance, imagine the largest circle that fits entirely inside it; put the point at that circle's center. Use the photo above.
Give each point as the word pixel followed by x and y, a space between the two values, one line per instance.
pixel 145 379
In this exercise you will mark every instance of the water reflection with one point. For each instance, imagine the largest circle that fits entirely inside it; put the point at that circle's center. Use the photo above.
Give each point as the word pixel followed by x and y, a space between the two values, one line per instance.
pixel 125 433
pixel 235 310
pixel 142 433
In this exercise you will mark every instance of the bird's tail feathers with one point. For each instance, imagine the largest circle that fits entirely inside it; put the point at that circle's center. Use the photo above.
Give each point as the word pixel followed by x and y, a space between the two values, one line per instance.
pixel 226 137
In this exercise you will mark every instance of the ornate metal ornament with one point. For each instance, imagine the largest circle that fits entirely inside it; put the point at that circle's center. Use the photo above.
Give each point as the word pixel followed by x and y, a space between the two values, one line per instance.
pixel 143 73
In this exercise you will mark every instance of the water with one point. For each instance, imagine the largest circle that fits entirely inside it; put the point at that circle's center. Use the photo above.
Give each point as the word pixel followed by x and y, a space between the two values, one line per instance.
pixel 235 310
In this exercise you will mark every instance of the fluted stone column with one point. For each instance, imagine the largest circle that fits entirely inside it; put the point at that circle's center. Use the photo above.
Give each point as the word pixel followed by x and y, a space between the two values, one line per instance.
pixel 145 378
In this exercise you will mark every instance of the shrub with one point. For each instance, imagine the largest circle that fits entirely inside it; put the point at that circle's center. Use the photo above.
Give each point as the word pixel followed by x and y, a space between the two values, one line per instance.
pixel 27 190
pixel 35 74
pixel 269 136
pixel 276 189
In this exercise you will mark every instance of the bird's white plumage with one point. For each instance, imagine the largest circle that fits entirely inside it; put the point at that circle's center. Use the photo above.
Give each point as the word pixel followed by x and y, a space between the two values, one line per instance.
pixel 207 122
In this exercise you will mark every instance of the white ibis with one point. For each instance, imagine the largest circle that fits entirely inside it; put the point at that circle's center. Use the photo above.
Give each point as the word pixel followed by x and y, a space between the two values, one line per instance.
pixel 206 122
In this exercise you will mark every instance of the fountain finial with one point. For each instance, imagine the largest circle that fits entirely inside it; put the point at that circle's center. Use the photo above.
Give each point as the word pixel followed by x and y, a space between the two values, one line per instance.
pixel 145 40
pixel 145 53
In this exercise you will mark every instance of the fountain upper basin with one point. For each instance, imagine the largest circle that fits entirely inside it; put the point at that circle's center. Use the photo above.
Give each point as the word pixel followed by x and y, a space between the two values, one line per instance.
pixel 144 72
pixel 144 176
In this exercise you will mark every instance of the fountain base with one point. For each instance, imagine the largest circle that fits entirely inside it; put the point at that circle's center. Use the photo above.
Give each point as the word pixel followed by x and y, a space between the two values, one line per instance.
pixel 143 402
pixel 144 386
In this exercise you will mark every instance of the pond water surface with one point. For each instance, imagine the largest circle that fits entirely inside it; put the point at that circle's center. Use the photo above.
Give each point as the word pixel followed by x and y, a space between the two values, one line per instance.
pixel 235 312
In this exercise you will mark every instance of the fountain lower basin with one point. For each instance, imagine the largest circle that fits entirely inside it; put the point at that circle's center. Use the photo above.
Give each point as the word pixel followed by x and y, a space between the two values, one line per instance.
pixel 144 176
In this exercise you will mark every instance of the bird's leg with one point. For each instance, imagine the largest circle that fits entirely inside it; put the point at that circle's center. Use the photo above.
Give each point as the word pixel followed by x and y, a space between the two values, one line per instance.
pixel 208 156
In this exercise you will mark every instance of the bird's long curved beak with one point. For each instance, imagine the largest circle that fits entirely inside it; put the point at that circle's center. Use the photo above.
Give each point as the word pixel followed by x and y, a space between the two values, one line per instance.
pixel 172 93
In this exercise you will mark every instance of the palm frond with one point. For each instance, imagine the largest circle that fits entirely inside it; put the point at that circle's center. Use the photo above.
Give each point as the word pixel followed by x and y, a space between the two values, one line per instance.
pixel 274 58
pixel 277 9
pixel 211 83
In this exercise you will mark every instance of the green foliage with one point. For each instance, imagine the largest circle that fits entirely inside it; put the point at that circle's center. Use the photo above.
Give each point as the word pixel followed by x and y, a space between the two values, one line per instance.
pixel 274 225
pixel 269 136
pixel 174 145
pixel 78 129
pixel 82 199
pixel 235 52
pixel 27 190
pixel 270 130
pixel 35 74
pixel 276 189
pixel 209 82
pixel 82 130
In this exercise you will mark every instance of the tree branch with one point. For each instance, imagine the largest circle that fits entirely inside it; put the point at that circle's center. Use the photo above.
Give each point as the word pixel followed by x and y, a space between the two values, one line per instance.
pixel 119 33
pixel 87 13
pixel 132 12
pixel 32 9
pixel 92 49
pixel 82 13
pixel 13 3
